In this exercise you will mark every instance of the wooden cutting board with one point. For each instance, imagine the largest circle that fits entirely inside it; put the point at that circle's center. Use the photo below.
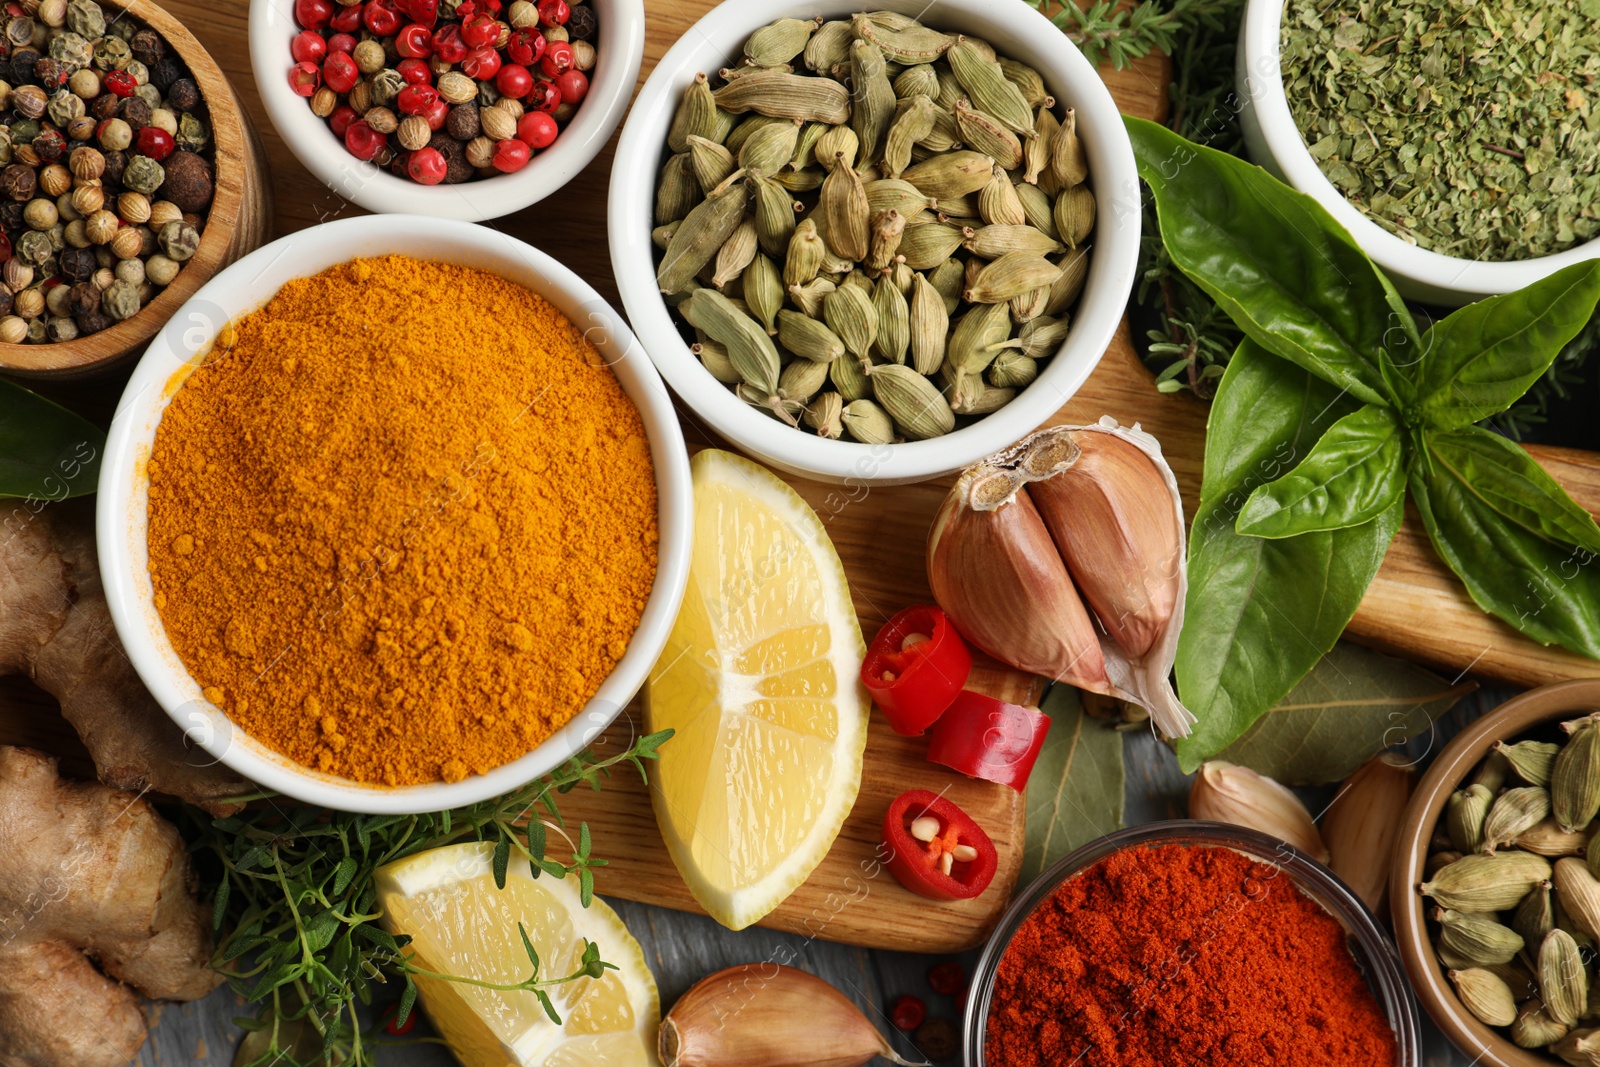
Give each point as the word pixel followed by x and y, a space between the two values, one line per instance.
pixel 1414 608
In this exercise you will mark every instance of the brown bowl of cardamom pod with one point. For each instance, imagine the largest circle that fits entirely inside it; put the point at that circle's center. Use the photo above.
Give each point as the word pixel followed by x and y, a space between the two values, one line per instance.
pixel 123 192
pixel 1494 894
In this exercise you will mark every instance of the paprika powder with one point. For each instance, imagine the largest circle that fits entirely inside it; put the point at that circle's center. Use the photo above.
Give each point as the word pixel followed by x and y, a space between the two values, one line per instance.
pixel 1183 956
pixel 402 521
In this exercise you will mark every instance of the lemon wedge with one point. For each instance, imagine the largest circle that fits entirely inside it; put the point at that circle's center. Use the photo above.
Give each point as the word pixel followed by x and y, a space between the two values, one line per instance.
pixel 760 682
pixel 461 924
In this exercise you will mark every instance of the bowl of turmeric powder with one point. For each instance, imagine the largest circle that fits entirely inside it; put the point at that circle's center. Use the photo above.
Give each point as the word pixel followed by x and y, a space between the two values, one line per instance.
pixel 395 516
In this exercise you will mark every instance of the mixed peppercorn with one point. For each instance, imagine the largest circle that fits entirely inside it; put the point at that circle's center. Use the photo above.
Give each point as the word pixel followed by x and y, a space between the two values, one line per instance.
pixel 444 90
pixel 104 144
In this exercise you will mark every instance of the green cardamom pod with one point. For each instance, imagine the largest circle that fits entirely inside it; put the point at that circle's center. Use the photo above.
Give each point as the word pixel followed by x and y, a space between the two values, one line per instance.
pixel 943 137
pixel 947 277
pixel 1575 779
pixel 901 275
pixel 714 358
pixel 808 297
pixel 978 337
pixel 908 45
pixel 929 326
pixel 872 107
pixel 917 79
pixel 1025 307
pixel 779 407
pixel 763 291
pixel 1592 855
pixel 661 236
pixel 770 148
pixel 1029 81
pixel 839 142
pixel 925 247
pixel 949 89
pixel 702 233
pixel 750 350
pixel 1064 291
pixel 803 258
pixel 950 174
pixel 735 255
pixel 843 212
pixel 868 423
pixel 1067 161
pixel 1535 916
pixel 1491 773
pixel 1012 370
pixel 895 194
pixel 780 95
pixel 859 279
pixel 969 394
pixel 775 215
pixel 1036 152
pixel 710 162
pixel 1563 979
pixel 1578 895
pixel 984 133
pixel 825 415
pixel 884 234
pixel 802 379
pixel 913 121
pixel 1581 1048
pixel 801 181
pixel 1532 761
pixel 1010 275
pixel 1074 213
pixel 1487 883
pixel 808 338
pixel 850 378
pixel 1476 938
pixel 779 42
pixel 1485 996
pixel 912 401
pixel 678 192
pixel 999 203
pixel 960 210
pixel 848 311
pixel 1534 1028
pixel 1465 813
pixel 894 321
pixel 1041 336
pixel 805 145
pixel 1512 812
pixel 986 84
pixel 829 46
pixel 697 115
pixel 994 241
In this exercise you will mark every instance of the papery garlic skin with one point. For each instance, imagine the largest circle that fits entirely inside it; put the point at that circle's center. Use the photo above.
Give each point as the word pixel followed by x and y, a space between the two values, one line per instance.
pixel 1227 792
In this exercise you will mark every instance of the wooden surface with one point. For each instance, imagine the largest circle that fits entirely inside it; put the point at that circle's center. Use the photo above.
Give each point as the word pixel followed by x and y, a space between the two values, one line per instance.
pixel 239 222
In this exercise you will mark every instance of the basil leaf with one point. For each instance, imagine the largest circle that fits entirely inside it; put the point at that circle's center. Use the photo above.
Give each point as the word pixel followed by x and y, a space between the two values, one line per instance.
pixel 1526 553
pixel 1261 613
pixel 1481 359
pixel 1354 474
pixel 46 451
pixel 1075 793
pixel 1311 297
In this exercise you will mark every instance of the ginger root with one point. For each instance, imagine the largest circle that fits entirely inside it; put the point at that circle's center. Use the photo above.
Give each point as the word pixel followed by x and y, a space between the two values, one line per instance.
pixel 56 628
pixel 89 875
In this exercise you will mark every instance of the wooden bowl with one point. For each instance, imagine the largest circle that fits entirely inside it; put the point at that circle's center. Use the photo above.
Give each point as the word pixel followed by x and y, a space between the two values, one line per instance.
pixel 240 220
pixel 1530 711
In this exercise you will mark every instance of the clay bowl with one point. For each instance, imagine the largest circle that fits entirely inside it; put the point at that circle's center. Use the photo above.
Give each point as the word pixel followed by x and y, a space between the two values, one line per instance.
pixel 240 221
pixel 1540 708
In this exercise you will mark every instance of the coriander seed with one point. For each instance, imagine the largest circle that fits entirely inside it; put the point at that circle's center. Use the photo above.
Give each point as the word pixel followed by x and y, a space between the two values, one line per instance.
pixel 13 330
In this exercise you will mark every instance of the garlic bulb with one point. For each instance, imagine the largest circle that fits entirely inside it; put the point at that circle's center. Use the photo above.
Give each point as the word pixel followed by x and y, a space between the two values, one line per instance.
pixel 768 1015
pixel 1064 556
pixel 1226 792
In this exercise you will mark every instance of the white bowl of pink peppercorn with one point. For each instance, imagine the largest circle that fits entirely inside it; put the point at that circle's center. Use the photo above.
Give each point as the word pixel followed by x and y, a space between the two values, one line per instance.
pixel 618 50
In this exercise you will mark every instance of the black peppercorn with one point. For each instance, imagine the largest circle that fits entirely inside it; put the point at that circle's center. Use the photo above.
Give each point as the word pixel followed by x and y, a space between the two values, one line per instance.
pixel 135 112
pixel 77 264
pixel 5 301
pixel 93 321
pixel 21 66
pixel 116 163
pixel 148 47
pixel 582 23
pixel 11 213
pixel 457 169
pixel 51 145
pixel 164 73
pixel 184 95
pixel 50 74
pixel 83 297
pixel 189 183
pixel 937 1039
pixel 463 122
pixel 19 182
pixel 104 106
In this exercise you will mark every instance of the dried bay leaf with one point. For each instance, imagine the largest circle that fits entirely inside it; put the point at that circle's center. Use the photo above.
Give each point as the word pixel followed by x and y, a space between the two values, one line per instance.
pixel 1353 704
pixel 1076 792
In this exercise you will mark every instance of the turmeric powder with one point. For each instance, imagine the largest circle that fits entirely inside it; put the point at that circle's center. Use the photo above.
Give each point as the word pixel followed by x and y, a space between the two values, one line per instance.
pixel 402 521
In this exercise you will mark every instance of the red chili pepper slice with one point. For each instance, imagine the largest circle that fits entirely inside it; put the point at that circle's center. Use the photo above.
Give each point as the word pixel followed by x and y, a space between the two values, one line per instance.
pixel 915 667
pixel 937 851
pixel 987 738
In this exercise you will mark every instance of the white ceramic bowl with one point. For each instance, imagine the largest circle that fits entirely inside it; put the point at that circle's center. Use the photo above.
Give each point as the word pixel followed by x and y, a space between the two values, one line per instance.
pixel 1273 141
pixel 611 82
pixel 1016 30
pixel 124 495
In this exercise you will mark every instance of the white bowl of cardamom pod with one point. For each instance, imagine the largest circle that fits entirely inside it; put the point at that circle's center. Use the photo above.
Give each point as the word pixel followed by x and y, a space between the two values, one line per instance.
pixel 795 430
pixel 1274 141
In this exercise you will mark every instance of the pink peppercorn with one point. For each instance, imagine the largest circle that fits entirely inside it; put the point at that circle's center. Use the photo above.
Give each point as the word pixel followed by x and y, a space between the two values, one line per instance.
pixel 122 84
pixel 341 120
pixel 308 47
pixel 342 42
pixel 525 46
pixel 438 114
pixel 557 59
pixel 448 47
pixel 415 71
pixel 481 64
pixel 156 143
pixel 304 78
pixel 511 155
pixel 381 18
pixel 554 12
pixel 417 99
pixel 544 96
pixel 313 14
pixel 346 19
pixel 574 86
pixel 362 141
pixel 537 129
pixel 414 42
pixel 340 73
pixel 513 81
pixel 427 166
pixel 480 30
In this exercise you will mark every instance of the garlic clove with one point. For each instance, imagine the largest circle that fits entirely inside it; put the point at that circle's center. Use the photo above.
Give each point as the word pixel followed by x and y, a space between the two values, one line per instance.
pixel 1111 516
pixel 1227 792
pixel 768 1015
pixel 997 574
pixel 1363 823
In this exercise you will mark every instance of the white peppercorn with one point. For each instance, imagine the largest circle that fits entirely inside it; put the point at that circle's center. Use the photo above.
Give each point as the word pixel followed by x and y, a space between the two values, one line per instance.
pixel 129 270
pixel 179 241
pixel 120 300
pixel 160 270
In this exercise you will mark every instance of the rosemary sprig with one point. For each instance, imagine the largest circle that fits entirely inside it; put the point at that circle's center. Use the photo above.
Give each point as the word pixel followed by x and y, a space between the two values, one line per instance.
pixel 294 906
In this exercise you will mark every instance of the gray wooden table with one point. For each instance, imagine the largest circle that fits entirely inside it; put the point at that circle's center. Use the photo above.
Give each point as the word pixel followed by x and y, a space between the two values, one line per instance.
pixel 683 948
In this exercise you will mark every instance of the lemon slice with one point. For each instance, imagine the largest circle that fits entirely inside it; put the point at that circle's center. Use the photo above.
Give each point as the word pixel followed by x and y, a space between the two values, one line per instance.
pixel 460 924
pixel 760 681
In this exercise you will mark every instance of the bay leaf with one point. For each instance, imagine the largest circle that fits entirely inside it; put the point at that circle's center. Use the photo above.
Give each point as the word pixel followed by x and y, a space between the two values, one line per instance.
pixel 46 451
pixel 1353 704
pixel 1076 792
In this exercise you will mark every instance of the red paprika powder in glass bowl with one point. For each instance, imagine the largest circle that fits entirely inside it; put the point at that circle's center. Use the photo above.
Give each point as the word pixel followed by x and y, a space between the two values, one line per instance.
pixel 1186 944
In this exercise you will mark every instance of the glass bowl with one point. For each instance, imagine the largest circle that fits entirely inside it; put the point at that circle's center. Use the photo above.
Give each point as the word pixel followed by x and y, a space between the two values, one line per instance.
pixel 1374 952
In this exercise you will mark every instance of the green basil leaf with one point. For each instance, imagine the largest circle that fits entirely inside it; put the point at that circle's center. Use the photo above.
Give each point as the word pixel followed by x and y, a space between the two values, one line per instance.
pixel 1075 793
pixel 1481 359
pixel 1261 613
pixel 1352 705
pixel 46 451
pixel 1353 474
pixel 1287 274
pixel 1512 535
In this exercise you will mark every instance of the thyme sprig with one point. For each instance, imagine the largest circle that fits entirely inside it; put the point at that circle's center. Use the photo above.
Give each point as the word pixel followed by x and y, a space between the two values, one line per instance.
pixel 1109 31
pixel 295 908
